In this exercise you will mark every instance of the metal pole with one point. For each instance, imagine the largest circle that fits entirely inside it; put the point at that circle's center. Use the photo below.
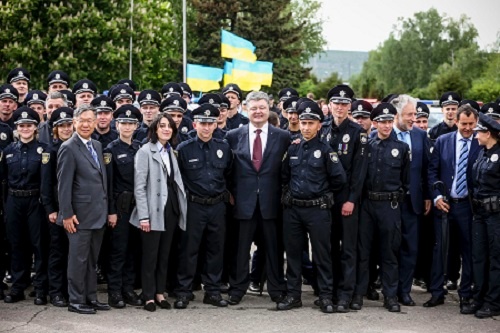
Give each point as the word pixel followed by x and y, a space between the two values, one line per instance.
pixel 184 41
pixel 131 42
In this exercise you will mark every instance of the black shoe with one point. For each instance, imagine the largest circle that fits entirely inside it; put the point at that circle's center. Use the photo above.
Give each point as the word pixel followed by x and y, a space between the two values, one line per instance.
pixel 14 298
pixel 115 300
pixel 357 302
pixel 131 298
pixel 58 301
pixel 289 303
pixel 451 285
pixel 372 294
pixel 151 307
pixel 163 304
pixel 215 300
pixel 343 306
pixel 234 300
pixel 406 300
pixel 279 298
pixel 486 312
pixel 181 302
pixel 434 301
pixel 81 308
pixel 326 305
pixel 224 288
pixel 391 304
pixel 99 306
pixel 470 308
pixel 254 287
pixel 40 299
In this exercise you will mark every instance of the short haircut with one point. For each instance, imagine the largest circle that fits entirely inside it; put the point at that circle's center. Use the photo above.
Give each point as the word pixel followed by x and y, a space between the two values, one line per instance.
pixel 257 96
pixel 153 136
pixel 467 110
pixel 84 108
pixel 273 119
pixel 57 95
pixel 401 101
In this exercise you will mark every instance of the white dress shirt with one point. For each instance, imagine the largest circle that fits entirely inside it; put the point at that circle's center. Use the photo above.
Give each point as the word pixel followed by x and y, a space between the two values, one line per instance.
pixel 165 157
pixel 263 137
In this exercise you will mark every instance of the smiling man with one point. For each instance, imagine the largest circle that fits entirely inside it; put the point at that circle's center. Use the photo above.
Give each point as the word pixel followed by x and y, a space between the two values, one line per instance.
pixel 20 79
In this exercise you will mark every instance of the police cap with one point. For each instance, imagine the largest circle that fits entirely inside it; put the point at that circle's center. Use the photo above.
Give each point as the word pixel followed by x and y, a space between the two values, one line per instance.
pixel 290 104
pixel 449 98
pixel 206 113
pixel 383 111
pixel 35 97
pixel 471 103
pixel 213 99
pixel 286 93
pixel 149 97
pixel 186 89
pixel 58 76
pixel 103 104
pixel 122 91
pixel 25 115
pixel 18 74
pixel 486 123
pixel 422 110
pixel 174 103
pixel 128 114
pixel 8 91
pixel 310 111
pixel 491 109
pixel 342 94
pixel 361 108
pixel 170 89
pixel 129 83
pixel 225 103
pixel 85 85
pixel 60 116
pixel 233 88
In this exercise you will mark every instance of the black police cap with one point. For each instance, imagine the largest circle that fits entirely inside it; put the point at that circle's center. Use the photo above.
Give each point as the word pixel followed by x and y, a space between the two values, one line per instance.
pixel 341 93
pixel 70 97
pixel 35 97
pixel 171 88
pixel 225 103
pixel 286 93
pixel 486 123
pixel 471 103
pixel 122 91
pixel 25 115
pixel 103 104
pixel 129 83
pixel 128 114
pixel 186 89
pixel 310 111
pixel 383 111
pixel 389 98
pixel 84 85
pixel 361 108
pixel 149 97
pixel 8 91
pixel 233 88
pixel 60 116
pixel 58 76
pixel 449 98
pixel 290 104
pixel 302 100
pixel 18 74
pixel 213 99
pixel 422 110
pixel 206 113
pixel 491 110
pixel 174 103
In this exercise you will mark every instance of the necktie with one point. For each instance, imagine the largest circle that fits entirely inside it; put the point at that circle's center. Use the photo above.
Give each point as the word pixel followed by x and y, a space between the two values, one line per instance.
pixel 93 153
pixel 257 150
pixel 461 185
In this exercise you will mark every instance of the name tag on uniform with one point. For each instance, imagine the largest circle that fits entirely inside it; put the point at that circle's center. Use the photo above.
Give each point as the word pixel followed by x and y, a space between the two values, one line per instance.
pixel 122 156
pixel 194 160
pixel 294 157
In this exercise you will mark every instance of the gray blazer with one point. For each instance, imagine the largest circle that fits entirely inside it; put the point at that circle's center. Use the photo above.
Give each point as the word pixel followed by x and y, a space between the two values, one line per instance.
pixel 81 184
pixel 150 188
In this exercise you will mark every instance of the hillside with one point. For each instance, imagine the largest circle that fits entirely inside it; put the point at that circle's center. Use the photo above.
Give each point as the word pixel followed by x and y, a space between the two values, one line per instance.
pixel 345 63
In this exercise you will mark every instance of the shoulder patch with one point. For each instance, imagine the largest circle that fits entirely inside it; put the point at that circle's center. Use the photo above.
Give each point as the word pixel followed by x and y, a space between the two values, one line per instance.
pixel 334 157
pixel 45 158
pixel 107 158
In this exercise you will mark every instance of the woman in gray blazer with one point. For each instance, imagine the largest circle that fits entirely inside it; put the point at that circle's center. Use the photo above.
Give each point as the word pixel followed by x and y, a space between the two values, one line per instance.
pixel 160 207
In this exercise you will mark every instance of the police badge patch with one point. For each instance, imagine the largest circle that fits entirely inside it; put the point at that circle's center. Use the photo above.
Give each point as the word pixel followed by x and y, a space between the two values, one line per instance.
pixel 395 152
pixel 494 157
pixel 220 153
pixel 45 158
pixel 39 150
pixel 184 129
pixel 346 138
pixel 107 158
pixel 3 136
pixel 334 157
pixel 363 137
pixel 317 153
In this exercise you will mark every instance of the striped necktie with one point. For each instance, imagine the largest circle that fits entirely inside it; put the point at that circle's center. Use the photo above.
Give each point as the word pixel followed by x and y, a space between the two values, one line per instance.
pixel 461 185
pixel 93 153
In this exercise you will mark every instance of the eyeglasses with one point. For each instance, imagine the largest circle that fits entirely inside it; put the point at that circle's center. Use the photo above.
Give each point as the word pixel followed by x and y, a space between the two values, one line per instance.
pixel 86 121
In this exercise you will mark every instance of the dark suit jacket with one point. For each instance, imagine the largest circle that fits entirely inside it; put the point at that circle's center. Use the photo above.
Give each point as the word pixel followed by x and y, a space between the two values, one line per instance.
pixel 442 162
pixel 247 185
pixel 82 184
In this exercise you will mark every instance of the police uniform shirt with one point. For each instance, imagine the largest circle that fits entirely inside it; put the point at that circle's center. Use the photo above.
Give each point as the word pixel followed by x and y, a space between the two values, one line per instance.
pixel 441 129
pixel 141 133
pixel 106 138
pixel 22 164
pixel 386 159
pixel 10 123
pixel 312 169
pixel 486 173
pixel 6 135
pixel 204 166
pixel 236 121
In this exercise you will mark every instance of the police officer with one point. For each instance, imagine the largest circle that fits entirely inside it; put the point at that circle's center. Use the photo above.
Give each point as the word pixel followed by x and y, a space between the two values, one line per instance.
pixel 204 162
pixel 58 80
pixel 361 111
pixel 20 79
pixel 124 238
pixel 171 88
pixel 122 94
pixel 36 100
pixel 311 170
pixel 223 113
pixel 234 94
pixel 85 91
pixel 176 107
pixel 349 140
pixel 9 98
pixel 387 180
pixel 283 95
pixel 422 116
pixel 449 102
pixel 103 131
pixel 25 221
pixel 290 108
pixel 61 121
pixel 149 103
pixel 485 226
pixel 491 110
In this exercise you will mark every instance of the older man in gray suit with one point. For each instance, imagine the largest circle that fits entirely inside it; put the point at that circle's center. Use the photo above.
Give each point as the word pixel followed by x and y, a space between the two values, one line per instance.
pixel 83 208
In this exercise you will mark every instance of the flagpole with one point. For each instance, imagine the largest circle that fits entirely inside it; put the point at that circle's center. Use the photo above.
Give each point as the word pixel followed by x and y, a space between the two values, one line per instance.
pixel 184 41
pixel 131 41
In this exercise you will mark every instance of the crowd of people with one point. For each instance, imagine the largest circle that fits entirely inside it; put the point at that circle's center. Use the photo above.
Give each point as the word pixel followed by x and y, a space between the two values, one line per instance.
pixel 157 196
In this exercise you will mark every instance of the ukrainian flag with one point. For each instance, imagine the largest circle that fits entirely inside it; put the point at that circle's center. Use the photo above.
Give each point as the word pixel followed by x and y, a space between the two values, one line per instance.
pixel 257 73
pixel 202 78
pixel 235 47
pixel 228 73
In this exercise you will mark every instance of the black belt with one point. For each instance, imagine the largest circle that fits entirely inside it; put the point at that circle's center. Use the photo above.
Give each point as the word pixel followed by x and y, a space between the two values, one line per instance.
pixel 457 200
pixel 490 204
pixel 23 193
pixel 309 203
pixel 209 200
pixel 385 196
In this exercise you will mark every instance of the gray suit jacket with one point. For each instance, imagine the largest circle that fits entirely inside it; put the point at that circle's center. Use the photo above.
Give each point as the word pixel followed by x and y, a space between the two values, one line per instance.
pixel 150 188
pixel 82 184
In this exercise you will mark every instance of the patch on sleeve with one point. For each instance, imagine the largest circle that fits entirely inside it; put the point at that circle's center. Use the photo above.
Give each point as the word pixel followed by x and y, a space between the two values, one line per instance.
pixel 107 158
pixel 45 158
pixel 334 157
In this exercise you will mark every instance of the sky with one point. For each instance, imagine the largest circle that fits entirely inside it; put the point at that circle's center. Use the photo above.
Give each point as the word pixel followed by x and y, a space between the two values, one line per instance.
pixel 361 25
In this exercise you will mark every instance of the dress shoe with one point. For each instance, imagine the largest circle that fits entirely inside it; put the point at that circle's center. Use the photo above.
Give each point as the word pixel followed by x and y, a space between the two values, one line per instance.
pixel 58 301
pixel 2 294
pixel 486 312
pixel 151 307
pixel 81 308
pixel 163 304
pixel 451 285
pixel 357 302
pixel 434 301
pixel 99 306
pixel 343 306
pixel 224 288
pixel 115 300
pixel 391 304
pixel 372 294
pixel 215 300
pixel 40 299
pixel 234 300
pixel 131 298
pixel 406 300
pixel 289 303
pixel 254 287
pixel 469 308
pixel 181 302
pixel 13 298
pixel 279 298
pixel 326 305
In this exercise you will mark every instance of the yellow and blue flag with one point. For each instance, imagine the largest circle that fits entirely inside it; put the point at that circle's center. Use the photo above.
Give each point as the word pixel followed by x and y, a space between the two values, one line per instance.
pixel 203 78
pixel 259 72
pixel 228 73
pixel 235 47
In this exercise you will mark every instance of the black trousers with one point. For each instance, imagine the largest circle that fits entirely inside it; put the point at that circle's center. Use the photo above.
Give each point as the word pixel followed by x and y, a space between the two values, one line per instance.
pixel 27 232
pixel 84 247
pixel 425 248
pixel 4 249
pixel 204 222
pixel 379 216
pixel 58 261
pixel 124 247
pixel 297 222
pixel 248 230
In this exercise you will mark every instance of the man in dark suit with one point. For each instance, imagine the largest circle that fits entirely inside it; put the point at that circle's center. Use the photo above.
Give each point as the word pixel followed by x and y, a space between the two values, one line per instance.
pixel 83 205
pixel 258 150
pixel 451 162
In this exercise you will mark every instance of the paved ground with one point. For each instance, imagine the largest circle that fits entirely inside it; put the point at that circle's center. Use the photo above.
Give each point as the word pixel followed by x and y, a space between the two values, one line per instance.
pixel 255 314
